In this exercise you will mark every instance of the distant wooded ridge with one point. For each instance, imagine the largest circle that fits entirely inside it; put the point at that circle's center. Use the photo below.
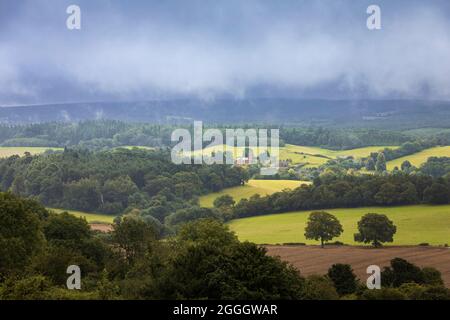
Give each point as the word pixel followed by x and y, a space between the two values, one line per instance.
pixel 387 114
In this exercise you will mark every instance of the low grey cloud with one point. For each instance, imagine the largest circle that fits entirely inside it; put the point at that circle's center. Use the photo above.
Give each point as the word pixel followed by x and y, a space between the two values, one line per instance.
pixel 149 50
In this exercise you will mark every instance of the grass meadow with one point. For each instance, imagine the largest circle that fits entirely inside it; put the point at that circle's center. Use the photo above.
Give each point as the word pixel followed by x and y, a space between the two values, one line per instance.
pixel 415 224
pixel 419 158
pixel 90 217
pixel 261 187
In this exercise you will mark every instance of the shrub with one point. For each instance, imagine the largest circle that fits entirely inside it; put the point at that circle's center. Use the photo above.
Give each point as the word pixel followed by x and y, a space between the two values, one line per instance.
pixel 343 278
pixel 383 294
pixel 319 288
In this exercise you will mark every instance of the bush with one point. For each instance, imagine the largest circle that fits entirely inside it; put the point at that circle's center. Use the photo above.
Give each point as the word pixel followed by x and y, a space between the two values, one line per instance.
pixel 294 244
pixel 432 277
pixel 400 272
pixel 319 288
pixel 412 291
pixel 335 243
pixel 383 294
pixel 40 288
pixel 435 293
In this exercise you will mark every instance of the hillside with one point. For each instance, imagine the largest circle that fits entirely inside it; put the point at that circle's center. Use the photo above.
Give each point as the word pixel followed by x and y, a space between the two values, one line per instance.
pixel 315 156
pixel 419 158
pixel 395 114
pixel 261 187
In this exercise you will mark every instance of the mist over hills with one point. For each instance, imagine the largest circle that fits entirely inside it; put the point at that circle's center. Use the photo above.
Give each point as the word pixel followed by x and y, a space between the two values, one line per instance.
pixel 336 113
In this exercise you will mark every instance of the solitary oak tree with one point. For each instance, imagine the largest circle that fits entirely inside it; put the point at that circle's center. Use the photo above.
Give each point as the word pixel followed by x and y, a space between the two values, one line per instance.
pixel 375 228
pixel 322 226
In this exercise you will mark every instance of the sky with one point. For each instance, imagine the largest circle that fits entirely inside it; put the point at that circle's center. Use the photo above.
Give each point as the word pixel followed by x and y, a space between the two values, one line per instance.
pixel 145 50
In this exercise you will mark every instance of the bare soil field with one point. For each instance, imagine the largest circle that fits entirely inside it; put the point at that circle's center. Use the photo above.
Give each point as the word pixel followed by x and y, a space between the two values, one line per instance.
pixel 315 260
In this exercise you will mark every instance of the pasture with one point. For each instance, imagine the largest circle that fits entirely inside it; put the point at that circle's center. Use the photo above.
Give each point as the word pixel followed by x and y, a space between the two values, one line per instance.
pixel 93 218
pixel 415 224
pixel 419 158
pixel 261 187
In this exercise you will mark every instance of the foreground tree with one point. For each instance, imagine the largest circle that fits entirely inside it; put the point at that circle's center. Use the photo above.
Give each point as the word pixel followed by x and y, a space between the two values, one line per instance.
pixel 208 262
pixel 375 228
pixel 318 287
pixel 21 235
pixel 134 236
pixel 401 272
pixel 343 278
pixel 322 226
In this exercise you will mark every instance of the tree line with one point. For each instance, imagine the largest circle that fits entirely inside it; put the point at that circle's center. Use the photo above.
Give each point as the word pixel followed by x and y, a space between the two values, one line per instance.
pixel 98 134
pixel 113 181
pixel 349 191
pixel 373 228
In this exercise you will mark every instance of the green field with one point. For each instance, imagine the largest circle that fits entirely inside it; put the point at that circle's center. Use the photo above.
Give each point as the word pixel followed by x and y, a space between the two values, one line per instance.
pixel 90 217
pixel 415 225
pixel 315 156
pixel 262 187
pixel 419 158
pixel 11 151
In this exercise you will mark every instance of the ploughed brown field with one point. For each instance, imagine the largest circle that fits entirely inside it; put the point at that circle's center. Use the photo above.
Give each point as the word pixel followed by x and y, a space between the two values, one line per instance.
pixel 315 260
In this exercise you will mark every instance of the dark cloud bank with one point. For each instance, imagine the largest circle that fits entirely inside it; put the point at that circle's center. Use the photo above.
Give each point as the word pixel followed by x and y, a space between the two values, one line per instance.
pixel 134 50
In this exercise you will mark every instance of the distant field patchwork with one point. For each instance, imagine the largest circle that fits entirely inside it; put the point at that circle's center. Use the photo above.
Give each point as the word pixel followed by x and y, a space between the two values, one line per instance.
pixel 309 156
pixel 415 225
pixel 20 151
pixel 262 187
pixel 315 156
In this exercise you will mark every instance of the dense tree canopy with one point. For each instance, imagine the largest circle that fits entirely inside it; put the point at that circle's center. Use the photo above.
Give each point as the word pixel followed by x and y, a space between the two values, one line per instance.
pixel 112 181
pixel 322 226
pixel 21 234
pixel 375 228
pixel 204 260
pixel 347 191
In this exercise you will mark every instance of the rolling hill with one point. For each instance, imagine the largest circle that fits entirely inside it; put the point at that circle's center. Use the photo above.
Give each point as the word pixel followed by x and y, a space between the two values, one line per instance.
pixel 262 187
pixel 395 114
pixel 419 158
